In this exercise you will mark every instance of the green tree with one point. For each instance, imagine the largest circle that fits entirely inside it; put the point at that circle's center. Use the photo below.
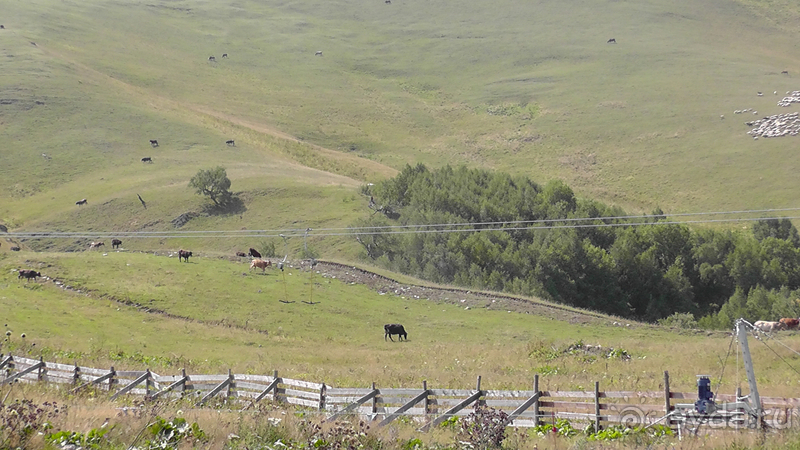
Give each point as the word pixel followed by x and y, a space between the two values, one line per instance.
pixel 214 183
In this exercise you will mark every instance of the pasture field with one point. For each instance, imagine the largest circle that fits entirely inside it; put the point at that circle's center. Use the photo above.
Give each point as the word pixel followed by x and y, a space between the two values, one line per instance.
pixel 212 314
pixel 527 87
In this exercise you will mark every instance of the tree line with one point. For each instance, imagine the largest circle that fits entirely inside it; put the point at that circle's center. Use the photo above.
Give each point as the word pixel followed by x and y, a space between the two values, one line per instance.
pixel 651 272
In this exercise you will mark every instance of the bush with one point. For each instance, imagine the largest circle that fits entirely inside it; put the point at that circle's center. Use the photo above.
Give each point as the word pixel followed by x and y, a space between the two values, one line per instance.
pixel 484 428
pixel 679 320
pixel 23 419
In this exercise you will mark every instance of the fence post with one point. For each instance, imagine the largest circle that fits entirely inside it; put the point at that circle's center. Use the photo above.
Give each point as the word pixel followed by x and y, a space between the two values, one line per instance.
pixel 275 391
pixel 425 401
pixel 229 390
pixel 536 403
pixel 597 406
pixel 148 383
pixel 667 406
pixel 42 369
pixel 478 402
pixel 322 397
pixel 374 404
pixel 183 385
pixel 112 379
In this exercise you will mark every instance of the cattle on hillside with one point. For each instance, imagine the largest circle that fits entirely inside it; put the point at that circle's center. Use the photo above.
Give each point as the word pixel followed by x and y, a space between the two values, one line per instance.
pixel 115 243
pixel 790 323
pixel 394 328
pixel 147 159
pixel 96 244
pixel 154 142
pixel 611 41
pixel 260 264
pixel 183 254
pixel 231 142
pixel 254 253
pixel 769 327
pixel 28 274
pixel 241 254
pixel 82 201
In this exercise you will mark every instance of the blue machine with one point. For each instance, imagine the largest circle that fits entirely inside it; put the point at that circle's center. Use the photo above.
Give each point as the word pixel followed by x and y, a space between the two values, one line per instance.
pixel 705 398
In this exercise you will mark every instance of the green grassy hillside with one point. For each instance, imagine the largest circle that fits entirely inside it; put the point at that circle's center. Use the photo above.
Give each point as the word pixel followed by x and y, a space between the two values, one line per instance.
pixel 210 314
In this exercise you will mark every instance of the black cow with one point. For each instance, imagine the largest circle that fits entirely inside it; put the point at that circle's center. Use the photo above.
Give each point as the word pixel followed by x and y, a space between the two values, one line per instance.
pixel 28 274
pixel 394 328
pixel 240 254
pixel 115 243
pixel 785 72
pixel 147 159
pixel 15 249
pixel 211 58
pixel 81 202
pixel 183 254
pixel 231 143
pixel 611 41
pixel 154 142
pixel 224 55
pixel 254 253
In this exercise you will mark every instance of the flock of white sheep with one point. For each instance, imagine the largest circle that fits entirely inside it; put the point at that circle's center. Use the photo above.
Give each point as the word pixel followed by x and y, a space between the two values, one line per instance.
pixel 776 125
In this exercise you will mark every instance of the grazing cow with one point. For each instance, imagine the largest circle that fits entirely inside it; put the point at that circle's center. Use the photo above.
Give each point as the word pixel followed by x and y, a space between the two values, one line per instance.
pixel 387 1
pixel 183 254
pixel 790 323
pixel 224 55
pixel 115 243
pixel 241 254
pixel 786 72
pixel 28 274
pixel 211 58
pixel 260 264
pixel 81 202
pixel 254 253
pixel 2 27
pixel 231 143
pixel 147 159
pixel 611 41
pixel 14 249
pixel 768 327
pixel 154 142
pixel 96 244
pixel 394 328
pixel 319 53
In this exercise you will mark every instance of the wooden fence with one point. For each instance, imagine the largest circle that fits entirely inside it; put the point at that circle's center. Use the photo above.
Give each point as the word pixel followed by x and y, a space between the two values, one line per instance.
pixel 428 406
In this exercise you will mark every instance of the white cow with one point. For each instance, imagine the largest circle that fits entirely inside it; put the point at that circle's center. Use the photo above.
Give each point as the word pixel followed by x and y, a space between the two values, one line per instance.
pixel 769 327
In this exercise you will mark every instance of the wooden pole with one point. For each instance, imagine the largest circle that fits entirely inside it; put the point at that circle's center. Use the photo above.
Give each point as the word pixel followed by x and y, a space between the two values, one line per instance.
pixel 42 370
pixel 275 391
pixel 322 397
pixel 478 403
pixel 425 402
pixel 148 383
pixel 597 406
pixel 536 403
pixel 667 406
pixel 229 390
pixel 112 379
pixel 183 375
pixel 374 404
pixel 76 374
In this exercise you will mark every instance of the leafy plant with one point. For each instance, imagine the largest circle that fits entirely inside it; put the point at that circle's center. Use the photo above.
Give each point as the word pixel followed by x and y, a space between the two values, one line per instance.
pixel 22 419
pixel 168 435
pixel 213 183
pixel 484 428
pixel 93 440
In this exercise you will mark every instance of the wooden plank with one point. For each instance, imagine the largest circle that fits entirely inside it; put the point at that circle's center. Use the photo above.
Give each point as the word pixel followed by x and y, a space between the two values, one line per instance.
pixel 522 408
pixel 252 386
pixel 169 388
pixel 395 392
pixel 248 377
pixel 26 361
pixel 272 387
pixel 356 392
pixel 396 400
pixel 21 374
pixel 634 394
pixel 215 391
pixel 300 401
pixel 420 396
pixel 301 394
pixel 509 394
pixel 354 405
pixel 131 385
pixel 451 392
pixel 642 407
pixel 558 406
pixel 302 384
pixel 215 379
pixel 450 412
pixel 6 361
pixel 780 401
pixel 568 394
pixel 130 373
pixel 57 366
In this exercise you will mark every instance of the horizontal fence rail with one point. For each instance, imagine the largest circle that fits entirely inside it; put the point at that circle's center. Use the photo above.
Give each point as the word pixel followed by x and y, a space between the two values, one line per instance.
pixel 429 407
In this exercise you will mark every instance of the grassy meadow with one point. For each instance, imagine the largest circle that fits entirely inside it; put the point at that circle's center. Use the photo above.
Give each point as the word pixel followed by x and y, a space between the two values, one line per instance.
pixel 220 315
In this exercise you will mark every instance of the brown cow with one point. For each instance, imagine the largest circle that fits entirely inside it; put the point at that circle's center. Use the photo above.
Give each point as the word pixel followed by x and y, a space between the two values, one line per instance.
pixel 790 323
pixel 260 264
